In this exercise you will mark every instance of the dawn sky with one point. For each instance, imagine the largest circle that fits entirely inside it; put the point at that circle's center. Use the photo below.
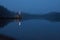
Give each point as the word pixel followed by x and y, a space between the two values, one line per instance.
pixel 32 6
pixel 35 27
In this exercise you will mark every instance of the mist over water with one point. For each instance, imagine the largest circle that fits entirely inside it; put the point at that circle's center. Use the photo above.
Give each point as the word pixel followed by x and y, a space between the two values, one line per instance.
pixel 32 29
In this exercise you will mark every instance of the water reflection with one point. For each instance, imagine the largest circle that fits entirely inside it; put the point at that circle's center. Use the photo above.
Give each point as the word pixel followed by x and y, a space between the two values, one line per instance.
pixel 52 16
pixel 7 16
pixel 4 22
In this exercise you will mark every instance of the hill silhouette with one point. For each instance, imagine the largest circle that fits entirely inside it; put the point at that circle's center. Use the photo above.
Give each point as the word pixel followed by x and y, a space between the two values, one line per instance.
pixel 4 16
pixel 4 12
pixel 51 16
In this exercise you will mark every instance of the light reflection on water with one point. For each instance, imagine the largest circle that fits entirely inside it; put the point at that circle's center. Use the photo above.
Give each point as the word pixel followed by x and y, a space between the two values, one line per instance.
pixel 33 30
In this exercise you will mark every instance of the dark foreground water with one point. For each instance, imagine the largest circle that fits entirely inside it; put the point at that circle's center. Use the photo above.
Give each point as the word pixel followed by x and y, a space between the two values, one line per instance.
pixel 33 30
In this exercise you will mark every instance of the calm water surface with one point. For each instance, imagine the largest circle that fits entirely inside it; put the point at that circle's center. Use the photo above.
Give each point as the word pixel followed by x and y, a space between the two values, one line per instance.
pixel 33 30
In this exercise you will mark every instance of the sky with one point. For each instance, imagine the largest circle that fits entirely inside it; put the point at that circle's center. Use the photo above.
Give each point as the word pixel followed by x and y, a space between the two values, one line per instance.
pixel 32 6
pixel 32 28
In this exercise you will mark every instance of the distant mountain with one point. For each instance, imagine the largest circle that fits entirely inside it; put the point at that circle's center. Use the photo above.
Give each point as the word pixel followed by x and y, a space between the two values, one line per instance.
pixel 51 16
pixel 28 16
pixel 4 12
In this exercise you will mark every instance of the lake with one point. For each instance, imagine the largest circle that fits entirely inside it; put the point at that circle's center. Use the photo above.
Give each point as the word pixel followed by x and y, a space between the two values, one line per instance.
pixel 31 29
